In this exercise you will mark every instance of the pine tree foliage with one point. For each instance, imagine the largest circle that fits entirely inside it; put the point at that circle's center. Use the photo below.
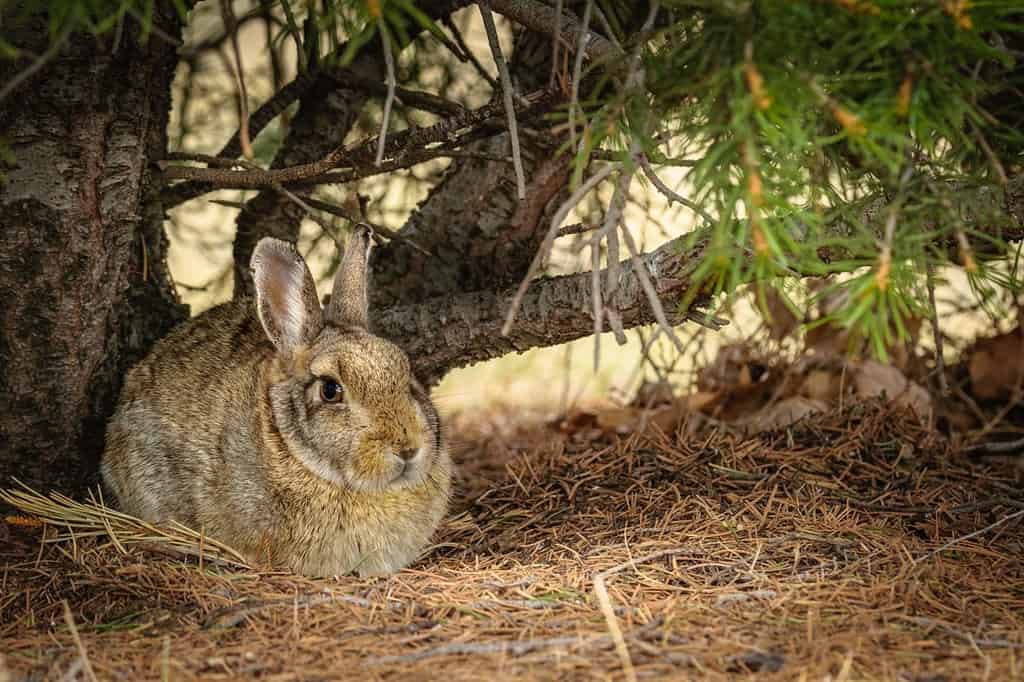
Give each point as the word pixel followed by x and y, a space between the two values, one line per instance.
pixel 875 138
pixel 875 132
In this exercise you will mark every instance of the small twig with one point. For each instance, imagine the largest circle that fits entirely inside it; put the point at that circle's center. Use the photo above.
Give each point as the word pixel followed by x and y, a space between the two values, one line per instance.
pixel 949 629
pixel 70 620
pixel 118 33
pixel 467 54
pixel 231 26
pixel 409 147
pixel 506 89
pixel 341 212
pixel 669 194
pixel 575 228
pixel 577 70
pixel 989 154
pixel 511 648
pixel 165 660
pixel 351 79
pixel 997 448
pixel 715 324
pixel 149 24
pixel 595 295
pixel 328 229
pixel 605 602
pixel 549 238
pixel 652 295
pixel 603 20
pixel 389 61
pixel 956 540
pixel 555 43
pixel 940 363
pixel 610 230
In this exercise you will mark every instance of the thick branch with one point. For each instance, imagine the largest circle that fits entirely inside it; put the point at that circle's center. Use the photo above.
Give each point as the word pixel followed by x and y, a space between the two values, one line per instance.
pixel 326 115
pixel 445 332
pixel 359 157
pixel 479 234
pixel 538 17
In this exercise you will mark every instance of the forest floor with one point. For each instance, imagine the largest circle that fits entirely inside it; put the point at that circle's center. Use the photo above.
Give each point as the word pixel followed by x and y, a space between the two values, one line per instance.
pixel 852 545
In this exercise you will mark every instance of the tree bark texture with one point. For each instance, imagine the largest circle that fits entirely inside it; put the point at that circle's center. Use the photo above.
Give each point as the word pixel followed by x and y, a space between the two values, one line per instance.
pixel 450 331
pixel 443 332
pixel 82 269
pixel 479 235
pixel 326 114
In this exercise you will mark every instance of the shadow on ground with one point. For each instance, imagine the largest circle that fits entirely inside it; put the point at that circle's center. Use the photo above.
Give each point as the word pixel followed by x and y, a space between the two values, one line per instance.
pixel 573 553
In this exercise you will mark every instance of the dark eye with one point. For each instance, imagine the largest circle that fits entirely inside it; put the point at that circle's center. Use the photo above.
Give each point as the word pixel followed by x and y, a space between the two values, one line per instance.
pixel 330 391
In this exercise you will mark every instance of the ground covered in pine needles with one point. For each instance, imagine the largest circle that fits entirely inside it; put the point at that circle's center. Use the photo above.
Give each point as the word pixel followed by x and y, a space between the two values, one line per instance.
pixel 844 547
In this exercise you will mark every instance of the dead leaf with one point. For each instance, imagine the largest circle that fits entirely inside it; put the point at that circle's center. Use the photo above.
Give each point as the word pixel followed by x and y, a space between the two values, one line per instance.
pixel 996 366
pixel 784 413
pixel 822 384
pixel 667 417
pixel 702 399
pixel 872 379
pixel 619 419
pixel 735 365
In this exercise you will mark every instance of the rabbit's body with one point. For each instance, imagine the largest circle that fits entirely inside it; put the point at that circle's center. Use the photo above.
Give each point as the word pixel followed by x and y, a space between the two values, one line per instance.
pixel 220 430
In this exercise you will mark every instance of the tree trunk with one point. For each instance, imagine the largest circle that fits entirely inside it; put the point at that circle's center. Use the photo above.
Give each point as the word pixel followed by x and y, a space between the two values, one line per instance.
pixel 479 234
pixel 82 254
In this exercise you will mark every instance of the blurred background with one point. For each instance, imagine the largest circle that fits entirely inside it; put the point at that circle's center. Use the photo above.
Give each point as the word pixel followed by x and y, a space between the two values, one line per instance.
pixel 544 380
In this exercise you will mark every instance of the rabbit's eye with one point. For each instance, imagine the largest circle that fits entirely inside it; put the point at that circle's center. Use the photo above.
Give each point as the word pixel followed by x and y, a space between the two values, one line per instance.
pixel 330 391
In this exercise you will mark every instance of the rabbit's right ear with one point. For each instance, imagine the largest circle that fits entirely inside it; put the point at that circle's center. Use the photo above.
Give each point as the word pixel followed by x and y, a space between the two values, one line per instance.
pixel 285 295
pixel 350 297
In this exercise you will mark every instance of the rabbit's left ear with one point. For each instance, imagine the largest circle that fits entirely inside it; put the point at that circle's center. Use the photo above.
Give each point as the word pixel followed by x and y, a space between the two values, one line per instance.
pixel 349 300
pixel 285 295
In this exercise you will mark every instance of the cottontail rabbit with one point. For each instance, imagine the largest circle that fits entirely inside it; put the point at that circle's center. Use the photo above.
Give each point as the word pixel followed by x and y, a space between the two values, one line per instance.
pixel 288 431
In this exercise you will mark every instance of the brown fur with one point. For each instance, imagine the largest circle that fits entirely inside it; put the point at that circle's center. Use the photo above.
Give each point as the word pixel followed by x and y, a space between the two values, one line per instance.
pixel 223 428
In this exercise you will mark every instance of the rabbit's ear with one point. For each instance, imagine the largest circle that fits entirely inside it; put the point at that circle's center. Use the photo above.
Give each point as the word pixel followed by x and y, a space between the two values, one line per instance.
pixel 349 300
pixel 285 295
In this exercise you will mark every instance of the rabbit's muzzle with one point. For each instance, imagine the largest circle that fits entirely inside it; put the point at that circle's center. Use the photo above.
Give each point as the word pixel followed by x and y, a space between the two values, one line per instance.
pixel 396 453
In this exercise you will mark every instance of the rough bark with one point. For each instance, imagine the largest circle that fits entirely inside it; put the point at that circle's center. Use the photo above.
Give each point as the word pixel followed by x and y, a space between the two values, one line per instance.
pixel 82 269
pixel 445 332
pixel 448 331
pixel 326 113
pixel 479 234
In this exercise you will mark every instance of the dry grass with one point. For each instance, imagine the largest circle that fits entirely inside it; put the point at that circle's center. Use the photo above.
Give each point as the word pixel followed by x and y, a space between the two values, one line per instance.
pixel 800 555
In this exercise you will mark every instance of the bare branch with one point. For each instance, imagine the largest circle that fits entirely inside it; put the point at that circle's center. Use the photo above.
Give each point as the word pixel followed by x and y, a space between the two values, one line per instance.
pixel 467 54
pixel 669 193
pixel 231 27
pixel 591 182
pixel 389 61
pixel 506 89
pixel 577 71
pixel 652 295
pixel 595 292
pixel 933 315
pixel 555 30
pixel 408 144
pixel 539 17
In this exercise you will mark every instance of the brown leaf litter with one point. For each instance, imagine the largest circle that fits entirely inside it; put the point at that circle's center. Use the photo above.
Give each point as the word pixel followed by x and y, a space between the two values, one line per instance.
pixel 573 553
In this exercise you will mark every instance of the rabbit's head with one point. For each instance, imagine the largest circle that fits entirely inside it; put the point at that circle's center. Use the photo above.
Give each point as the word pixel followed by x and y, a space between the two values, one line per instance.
pixel 343 401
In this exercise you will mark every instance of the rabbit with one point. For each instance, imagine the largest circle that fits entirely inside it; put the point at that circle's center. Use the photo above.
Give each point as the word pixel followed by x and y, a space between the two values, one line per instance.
pixel 286 430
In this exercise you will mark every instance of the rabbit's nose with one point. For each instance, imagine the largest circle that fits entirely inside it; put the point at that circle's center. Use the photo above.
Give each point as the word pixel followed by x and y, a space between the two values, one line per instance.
pixel 407 454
